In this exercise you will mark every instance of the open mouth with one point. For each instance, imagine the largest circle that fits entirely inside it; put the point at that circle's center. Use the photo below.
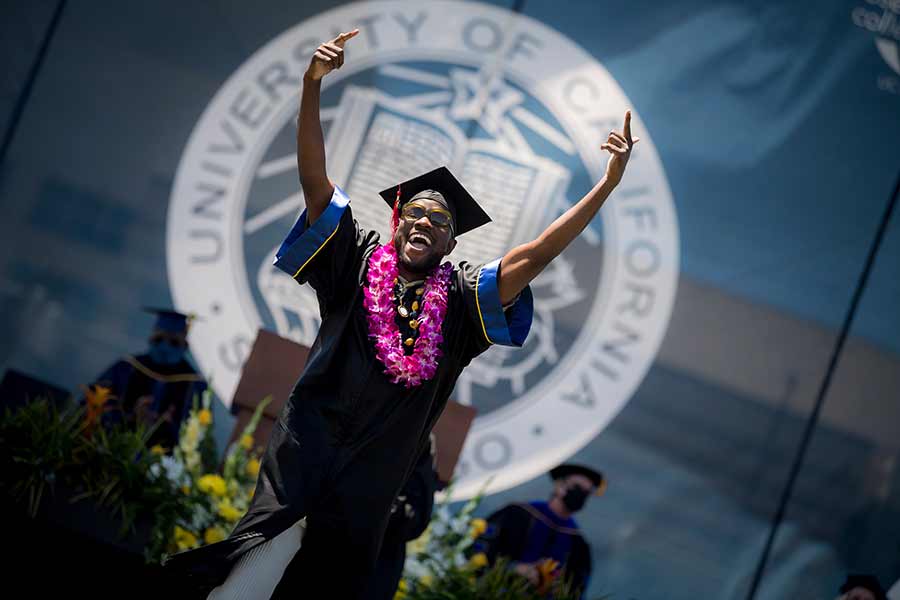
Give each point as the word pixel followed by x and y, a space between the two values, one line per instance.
pixel 419 242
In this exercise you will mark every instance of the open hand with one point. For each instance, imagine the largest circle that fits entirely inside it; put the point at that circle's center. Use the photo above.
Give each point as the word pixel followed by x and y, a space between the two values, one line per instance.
pixel 329 56
pixel 619 145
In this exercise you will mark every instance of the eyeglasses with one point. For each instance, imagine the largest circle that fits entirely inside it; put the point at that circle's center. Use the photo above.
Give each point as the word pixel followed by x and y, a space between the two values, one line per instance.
pixel 438 216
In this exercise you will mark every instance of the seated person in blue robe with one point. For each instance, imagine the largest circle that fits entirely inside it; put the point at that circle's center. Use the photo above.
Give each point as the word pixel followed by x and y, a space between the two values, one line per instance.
pixel 158 386
pixel 528 534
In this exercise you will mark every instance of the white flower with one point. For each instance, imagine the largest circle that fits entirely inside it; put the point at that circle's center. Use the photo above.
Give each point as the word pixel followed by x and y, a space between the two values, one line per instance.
pixel 174 470
pixel 200 517
pixel 438 530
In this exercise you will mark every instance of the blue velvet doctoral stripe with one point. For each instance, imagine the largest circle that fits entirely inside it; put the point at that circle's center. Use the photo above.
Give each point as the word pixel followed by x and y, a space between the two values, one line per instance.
pixel 540 544
pixel 509 327
pixel 302 243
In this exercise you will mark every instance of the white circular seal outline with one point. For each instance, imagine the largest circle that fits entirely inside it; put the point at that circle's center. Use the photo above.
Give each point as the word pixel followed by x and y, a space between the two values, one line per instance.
pixel 633 302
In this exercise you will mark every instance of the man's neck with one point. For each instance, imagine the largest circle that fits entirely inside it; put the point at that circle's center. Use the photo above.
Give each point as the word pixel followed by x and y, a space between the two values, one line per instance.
pixel 408 275
pixel 559 509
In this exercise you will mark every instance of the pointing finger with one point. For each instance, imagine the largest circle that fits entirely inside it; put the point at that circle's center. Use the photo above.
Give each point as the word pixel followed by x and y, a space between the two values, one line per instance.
pixel 341 39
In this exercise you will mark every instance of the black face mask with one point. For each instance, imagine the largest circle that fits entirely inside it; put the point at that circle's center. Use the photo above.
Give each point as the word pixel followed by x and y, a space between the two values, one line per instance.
pixel 575 498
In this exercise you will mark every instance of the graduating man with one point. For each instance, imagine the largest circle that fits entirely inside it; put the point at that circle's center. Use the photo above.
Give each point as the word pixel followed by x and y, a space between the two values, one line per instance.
pixel 159 385
pixel 398 327
pixel 531 535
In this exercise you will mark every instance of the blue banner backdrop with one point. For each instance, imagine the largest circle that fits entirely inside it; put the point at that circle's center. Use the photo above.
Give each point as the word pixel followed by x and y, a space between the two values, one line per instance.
pixel 678 346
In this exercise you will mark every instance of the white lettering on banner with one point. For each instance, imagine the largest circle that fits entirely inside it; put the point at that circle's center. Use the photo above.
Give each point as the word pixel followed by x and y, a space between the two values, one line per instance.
pixel 882 18
pixel 411 27
pixel 213 250
pixel 273 77
pixel 234 352
pixel 885 23
pixel 413 84
pixel 492 452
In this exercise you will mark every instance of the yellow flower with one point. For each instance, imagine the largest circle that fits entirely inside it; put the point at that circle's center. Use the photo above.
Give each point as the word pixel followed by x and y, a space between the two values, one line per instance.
pixel 426 579
pixel 547 572
pixel 184 539
pixel 205 416
pixel 158 450
pixel 479 526
pixel 246 441
pixel 228 512
pixel 97 395
pixel 212 484
pixel 213 535
pixel 401 590
pixel 478 560
pixel 185 489
pixel 253 467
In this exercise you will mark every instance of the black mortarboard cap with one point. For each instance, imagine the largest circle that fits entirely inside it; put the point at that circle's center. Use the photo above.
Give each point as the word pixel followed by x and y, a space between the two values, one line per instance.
pixel 867 582
pixel 565 470
pixel 169 320
pixel 467 214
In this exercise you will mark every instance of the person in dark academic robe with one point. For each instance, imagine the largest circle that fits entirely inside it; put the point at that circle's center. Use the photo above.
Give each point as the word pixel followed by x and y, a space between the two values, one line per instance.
pixel 410 515
pixel 357 420
pixel 529 534
pixel 158 386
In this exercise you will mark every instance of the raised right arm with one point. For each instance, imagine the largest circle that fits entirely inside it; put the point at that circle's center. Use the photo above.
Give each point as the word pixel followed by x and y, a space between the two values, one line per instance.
pixel 317 188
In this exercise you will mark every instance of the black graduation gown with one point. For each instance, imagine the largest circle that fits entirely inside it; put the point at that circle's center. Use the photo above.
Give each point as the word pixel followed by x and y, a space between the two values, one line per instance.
pixel 409 519
pixel 530 532
pixel 172 389
pixel 348 438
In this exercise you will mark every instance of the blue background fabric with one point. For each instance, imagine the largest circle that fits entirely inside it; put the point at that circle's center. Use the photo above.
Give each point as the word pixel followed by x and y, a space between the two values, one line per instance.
pixel 776 126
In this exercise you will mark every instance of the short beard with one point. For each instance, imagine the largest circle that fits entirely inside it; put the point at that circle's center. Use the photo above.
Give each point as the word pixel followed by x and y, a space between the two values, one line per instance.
pixel 432 262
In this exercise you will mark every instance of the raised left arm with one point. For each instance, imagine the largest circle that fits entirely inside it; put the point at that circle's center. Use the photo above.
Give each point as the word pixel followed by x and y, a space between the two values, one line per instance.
pixel 522 264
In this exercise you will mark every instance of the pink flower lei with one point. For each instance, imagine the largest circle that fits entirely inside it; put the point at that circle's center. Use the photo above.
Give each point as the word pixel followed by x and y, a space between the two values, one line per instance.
pixel 421 365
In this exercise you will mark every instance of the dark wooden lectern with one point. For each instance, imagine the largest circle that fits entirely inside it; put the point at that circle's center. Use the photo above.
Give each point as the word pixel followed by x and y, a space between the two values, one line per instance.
pixel 272 369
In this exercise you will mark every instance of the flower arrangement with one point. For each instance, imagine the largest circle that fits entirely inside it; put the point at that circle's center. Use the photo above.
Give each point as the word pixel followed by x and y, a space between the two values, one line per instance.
pixel 184 499
pixel 440 564
pixel 214 499
pixel 445 543
pixel 59 456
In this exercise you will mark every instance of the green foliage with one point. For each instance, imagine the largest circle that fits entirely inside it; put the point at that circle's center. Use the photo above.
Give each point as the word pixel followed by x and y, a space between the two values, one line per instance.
pixel 113 474
pixel 40 445
pixel 498 582
pixel 46 447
